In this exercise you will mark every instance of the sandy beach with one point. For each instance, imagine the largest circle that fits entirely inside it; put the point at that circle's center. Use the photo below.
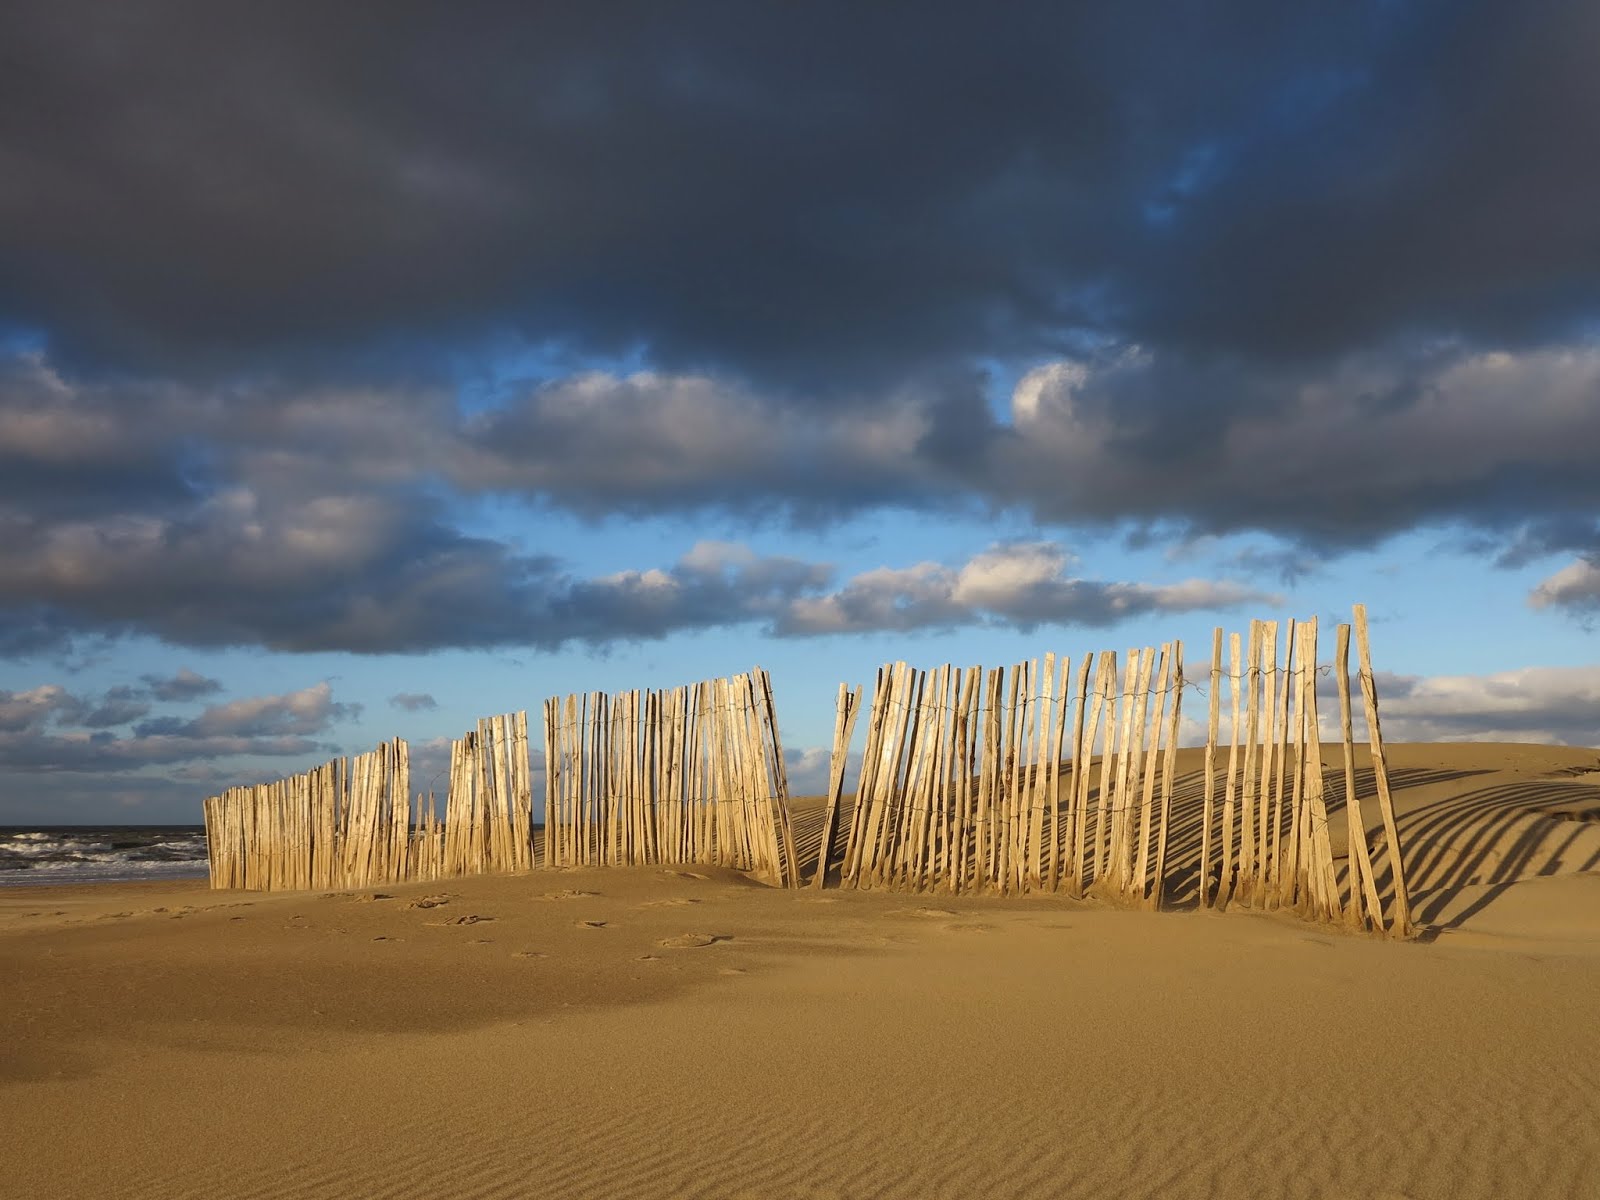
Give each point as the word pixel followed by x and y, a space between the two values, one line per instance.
pixel 654 1033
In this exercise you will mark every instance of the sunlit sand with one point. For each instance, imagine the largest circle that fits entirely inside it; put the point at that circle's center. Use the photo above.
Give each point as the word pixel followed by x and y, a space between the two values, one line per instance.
pixel 643 1032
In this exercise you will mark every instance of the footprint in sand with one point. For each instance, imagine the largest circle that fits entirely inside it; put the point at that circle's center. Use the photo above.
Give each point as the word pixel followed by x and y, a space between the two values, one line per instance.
pixel 692 941
pixel 686 874
pixel 677 902
pixel 432 901
pixel 590 924
pixel 569 894
pixel 922 912
pixel 465 919
pixel 526 954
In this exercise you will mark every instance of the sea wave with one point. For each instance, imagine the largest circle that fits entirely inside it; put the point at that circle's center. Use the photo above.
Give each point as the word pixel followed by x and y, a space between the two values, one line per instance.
pixel 67 855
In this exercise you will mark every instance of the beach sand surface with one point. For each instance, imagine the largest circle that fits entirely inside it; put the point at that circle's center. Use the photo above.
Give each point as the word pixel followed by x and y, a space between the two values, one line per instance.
pixel 649 1032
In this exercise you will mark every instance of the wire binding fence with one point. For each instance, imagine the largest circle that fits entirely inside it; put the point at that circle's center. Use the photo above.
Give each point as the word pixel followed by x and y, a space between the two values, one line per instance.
pixel 1044 779
pixel 346 823
pixel 1038 778
pixel 690 775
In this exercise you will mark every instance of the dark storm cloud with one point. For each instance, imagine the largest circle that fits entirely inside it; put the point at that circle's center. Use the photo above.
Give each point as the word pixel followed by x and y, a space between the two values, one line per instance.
pixel 1501 443
pixel 810 193
pixel 1326 457
pixel 361 573
pixel 1319 271
pixel 319 523
pixel 1442 183
pixel 283 565
pixel 770 186
pixel 67 448
pixel 598 443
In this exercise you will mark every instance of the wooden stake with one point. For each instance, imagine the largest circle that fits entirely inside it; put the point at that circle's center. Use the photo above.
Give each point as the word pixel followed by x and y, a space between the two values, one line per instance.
pixel 1083 731
pixel 1146 825
pixel 1400 924
pixel 1210 768
pixel 1225 879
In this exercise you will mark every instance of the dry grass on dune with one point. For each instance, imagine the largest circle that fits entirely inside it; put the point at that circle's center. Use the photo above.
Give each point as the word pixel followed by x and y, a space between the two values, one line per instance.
pixel 644 1033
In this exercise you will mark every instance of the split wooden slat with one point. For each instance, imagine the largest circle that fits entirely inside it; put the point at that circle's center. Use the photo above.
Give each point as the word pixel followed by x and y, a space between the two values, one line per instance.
pixel 1400 922
pixel 1209 768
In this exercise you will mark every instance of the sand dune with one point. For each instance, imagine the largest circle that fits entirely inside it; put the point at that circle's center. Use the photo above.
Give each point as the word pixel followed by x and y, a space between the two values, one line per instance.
pixel 647 1033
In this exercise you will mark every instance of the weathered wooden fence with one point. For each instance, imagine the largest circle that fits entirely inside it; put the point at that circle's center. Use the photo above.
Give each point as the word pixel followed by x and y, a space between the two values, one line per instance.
pixel 489 824
pixel 690 775
pixel 355 823
pixel 1044 779
pixel 346 823
pixel 1274 847
pixel 969 780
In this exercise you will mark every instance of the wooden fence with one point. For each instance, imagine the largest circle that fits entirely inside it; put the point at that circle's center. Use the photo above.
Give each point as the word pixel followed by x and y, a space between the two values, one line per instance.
pixel 489 823
pixel 1044 779
pixel 1280 854
pixel 346 823
pixel 691 775
pixel 355 823
pixel 1047 777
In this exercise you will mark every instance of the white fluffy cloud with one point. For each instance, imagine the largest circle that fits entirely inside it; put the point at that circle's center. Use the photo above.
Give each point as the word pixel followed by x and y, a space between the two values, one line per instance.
pixel 49 729
pixel 1559 705
pixel 1020 584
pixel 1575 586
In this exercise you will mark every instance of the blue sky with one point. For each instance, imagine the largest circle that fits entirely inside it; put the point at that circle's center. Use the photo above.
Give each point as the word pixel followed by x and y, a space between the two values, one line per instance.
pixel 358 386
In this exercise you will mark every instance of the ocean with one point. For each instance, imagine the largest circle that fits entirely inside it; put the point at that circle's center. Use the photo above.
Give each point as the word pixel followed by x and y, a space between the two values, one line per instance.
pixel 36 854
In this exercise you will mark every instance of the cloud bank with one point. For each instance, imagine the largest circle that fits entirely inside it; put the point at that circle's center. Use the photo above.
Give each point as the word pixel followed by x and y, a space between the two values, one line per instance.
pixel 48 729
pixel 279 303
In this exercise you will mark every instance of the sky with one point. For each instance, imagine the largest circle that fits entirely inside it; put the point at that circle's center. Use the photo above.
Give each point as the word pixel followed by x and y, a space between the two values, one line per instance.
pixel 368 368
